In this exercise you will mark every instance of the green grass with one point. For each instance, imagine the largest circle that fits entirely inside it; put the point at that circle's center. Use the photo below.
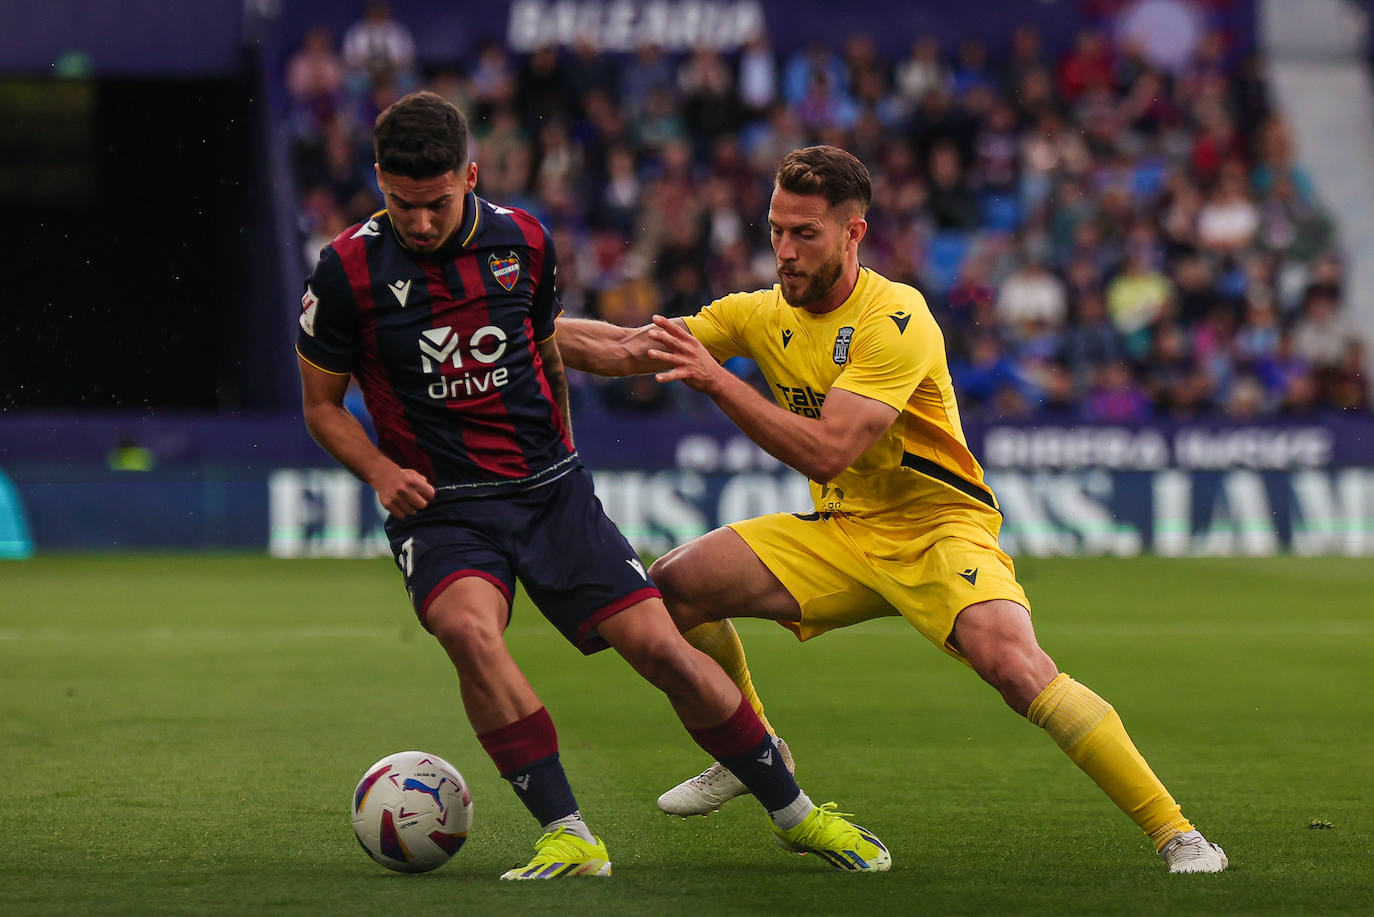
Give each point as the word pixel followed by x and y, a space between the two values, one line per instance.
pixel 180 735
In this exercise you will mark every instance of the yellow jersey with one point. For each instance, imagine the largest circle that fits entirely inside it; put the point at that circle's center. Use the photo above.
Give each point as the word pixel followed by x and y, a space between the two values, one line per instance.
pixel 884 344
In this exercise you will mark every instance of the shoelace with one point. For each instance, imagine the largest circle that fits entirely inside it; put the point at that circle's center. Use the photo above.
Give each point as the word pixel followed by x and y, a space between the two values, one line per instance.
pixel 712 774
pixel 829 810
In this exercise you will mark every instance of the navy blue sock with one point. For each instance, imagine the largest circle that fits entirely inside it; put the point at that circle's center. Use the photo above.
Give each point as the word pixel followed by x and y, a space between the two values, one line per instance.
pixel 526 753
pixel 544 789
pixel 764 772
pixel 747 751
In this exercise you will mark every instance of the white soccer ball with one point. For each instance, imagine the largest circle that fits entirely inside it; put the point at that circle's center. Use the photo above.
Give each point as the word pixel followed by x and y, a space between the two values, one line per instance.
pixel 412 811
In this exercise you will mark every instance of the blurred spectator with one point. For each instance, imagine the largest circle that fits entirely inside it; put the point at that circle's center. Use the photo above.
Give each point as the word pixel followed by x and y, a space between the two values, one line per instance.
pixel 758 78
pixel 504 156
pixel 589 71
pixel 1031 295
pixel 1116 397
pixel 1136 298
pixel 378 48
pixel 1322 336
pixel 314 79
pixel 952 203
pixel 1228 220
pixel 1091 341
pixel 644 74
pixel 1246 400
pixel 1024 57
pixel 1087 65
pixel 542 89
pixel 708 99
pixel 987 373
pixel 921 72
pixel 803 68
pixel 971 67
pixel 493 80
pixel 997 151
pixel 1345 383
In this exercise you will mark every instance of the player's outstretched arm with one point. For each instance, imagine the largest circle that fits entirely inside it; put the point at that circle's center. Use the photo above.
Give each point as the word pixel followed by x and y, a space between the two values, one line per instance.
pixel 401 491
pixel 604 349
pixel 819 448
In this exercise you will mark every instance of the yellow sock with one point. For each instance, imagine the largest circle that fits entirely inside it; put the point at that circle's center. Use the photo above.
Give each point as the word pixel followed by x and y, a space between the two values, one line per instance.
pixel 719 640
pixel 1089 731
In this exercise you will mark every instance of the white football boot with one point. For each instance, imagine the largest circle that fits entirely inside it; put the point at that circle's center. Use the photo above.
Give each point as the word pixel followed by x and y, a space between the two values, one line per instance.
pixel 1191 852
pixel 705 792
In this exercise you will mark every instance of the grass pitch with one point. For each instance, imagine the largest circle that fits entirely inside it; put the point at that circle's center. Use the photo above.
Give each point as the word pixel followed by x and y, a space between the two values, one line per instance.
pixel 181 735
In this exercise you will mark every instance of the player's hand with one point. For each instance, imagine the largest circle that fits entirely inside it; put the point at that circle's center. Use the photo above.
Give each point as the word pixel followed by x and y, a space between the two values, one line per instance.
pixel 403 491
pixel 691 363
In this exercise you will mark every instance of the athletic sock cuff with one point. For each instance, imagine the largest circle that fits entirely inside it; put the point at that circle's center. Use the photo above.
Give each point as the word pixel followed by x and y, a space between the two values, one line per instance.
pixel 517 745
pixel 741 733
pixel 1067 710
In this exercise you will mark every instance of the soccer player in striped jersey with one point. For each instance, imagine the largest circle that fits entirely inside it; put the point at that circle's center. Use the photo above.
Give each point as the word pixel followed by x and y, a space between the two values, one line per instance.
pixel 903 523
pixel 442 307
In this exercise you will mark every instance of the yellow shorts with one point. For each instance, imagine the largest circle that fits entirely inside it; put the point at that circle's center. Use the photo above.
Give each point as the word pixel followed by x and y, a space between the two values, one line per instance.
pixel 842 570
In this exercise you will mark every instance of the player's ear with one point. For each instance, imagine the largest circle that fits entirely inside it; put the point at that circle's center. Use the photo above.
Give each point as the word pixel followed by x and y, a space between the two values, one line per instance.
pixel 377 170
pixel 857 229
pixel 470 179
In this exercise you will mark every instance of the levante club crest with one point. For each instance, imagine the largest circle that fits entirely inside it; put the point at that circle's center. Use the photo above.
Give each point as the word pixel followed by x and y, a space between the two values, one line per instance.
pixel 506 269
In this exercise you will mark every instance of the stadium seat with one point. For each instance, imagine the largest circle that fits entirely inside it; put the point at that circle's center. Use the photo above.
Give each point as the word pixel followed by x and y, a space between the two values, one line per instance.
pixel 1000 212
pixel 1147 181
pixel 944 257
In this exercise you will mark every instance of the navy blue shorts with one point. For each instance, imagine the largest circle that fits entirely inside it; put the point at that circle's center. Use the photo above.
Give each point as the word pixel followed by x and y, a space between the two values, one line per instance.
pixel 555 539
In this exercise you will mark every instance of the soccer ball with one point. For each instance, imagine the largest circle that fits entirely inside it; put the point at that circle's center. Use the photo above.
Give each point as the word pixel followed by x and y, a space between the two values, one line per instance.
pixel 412 811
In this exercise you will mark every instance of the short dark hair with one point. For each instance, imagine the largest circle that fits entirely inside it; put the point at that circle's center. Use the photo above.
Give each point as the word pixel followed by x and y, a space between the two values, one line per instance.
pixel 421 135
pixel 828 171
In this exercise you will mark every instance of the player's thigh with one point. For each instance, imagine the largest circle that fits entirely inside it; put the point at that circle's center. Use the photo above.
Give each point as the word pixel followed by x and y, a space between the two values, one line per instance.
pixel 823 572
pixel 942 578
pixel 719 575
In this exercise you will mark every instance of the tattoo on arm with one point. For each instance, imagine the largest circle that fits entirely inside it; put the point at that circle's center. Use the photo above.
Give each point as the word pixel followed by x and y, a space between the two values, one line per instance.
pixel 558 385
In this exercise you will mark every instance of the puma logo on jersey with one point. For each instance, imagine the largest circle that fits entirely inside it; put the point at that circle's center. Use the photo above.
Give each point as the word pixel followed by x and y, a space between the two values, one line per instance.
pixel 638 567
pixel 786 337
pixel 401 290
pixel 900 320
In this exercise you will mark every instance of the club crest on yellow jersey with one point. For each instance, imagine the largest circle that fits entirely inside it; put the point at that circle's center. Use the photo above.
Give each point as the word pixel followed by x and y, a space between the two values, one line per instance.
pixel 842 339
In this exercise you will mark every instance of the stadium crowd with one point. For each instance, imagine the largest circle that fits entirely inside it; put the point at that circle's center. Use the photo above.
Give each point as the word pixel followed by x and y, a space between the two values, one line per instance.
pixel 1100 237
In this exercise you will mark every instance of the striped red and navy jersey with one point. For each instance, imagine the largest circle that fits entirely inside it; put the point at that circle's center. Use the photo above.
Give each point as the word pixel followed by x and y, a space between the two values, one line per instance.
pixel 444 347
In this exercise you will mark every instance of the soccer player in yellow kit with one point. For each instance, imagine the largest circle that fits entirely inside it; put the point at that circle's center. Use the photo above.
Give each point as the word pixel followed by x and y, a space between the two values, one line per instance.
pixel 903 523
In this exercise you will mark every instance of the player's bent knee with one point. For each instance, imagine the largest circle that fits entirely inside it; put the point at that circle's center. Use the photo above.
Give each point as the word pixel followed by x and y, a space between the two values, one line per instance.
pixel 679 584
pixel 464 635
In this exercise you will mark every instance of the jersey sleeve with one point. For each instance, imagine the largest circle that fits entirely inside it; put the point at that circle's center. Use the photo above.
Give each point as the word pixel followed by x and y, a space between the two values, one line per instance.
pixel 546 305
pixel 720 326
pixel 892 353
pixel 329 335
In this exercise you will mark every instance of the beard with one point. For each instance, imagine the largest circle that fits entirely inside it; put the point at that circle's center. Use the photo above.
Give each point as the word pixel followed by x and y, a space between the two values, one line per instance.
pixel 817 283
